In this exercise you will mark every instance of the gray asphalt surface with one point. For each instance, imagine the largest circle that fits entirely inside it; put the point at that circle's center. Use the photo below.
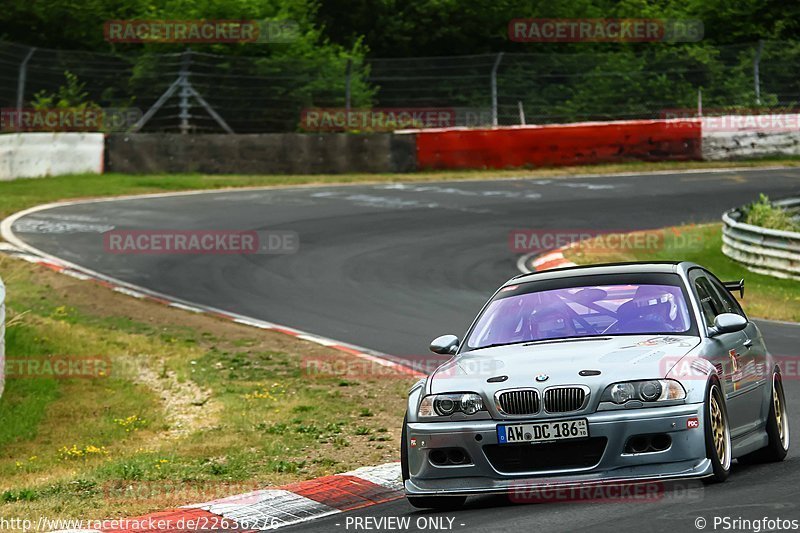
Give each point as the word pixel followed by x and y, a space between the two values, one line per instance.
pixel 391 266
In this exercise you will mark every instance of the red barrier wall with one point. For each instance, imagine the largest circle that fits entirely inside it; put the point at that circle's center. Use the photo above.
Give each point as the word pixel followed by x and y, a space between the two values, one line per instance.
pixel 560 144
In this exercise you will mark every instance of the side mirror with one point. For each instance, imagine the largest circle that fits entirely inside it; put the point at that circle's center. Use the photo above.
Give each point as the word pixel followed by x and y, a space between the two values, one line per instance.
pixel 445 345
pixel 727 323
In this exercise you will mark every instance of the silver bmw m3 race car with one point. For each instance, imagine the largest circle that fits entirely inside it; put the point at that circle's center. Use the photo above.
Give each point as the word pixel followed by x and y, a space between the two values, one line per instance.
pixel 608 374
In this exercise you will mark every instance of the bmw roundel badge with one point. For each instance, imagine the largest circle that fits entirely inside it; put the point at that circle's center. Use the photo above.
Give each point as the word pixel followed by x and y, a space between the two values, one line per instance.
pixel 542 377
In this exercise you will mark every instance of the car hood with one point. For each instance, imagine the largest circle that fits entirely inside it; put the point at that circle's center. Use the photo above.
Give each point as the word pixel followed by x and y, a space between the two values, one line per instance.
pixel 617 358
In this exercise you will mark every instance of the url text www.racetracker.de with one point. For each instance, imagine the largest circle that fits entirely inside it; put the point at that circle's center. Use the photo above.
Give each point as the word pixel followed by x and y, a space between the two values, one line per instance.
pixel 757 525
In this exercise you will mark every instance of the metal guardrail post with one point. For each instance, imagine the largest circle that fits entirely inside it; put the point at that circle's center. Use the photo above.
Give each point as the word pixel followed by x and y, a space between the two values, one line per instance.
pixel 21 79
pixel 756 74
pixel 494 87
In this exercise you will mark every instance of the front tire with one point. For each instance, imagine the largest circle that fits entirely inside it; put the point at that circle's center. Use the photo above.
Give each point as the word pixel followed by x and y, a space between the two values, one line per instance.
pixel 717 433
pixel 777 428
pixel 424 502
pixel 404 450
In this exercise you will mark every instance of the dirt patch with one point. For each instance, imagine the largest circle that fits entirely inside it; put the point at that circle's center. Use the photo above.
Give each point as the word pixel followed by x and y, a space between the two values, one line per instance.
pixel 188 408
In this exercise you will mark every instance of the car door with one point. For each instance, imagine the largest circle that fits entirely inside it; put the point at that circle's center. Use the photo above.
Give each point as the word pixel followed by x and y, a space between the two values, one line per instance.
pixel 721 350
pixel 751 374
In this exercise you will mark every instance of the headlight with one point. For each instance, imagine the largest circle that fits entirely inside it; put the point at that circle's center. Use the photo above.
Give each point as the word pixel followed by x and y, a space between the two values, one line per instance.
pixel 447 404
pixel 622 392
pixel 653 390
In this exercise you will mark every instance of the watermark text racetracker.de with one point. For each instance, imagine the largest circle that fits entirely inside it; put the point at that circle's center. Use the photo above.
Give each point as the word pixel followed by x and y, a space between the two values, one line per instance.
pixel 739 367
pixel 726 120
pixel 401 367
pixel 57 367
pixel 219 242
pixel 200 31
pixel 632 30
pixel 69 119
pixel 157 492
pixel 550 491
pixel 602 241
pixel 376 119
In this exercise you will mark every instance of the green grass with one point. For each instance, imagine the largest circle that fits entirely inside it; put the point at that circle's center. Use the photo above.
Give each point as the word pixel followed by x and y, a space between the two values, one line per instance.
pixel 765 296
pixel 20 194
pixel 194 409
pixel 28 399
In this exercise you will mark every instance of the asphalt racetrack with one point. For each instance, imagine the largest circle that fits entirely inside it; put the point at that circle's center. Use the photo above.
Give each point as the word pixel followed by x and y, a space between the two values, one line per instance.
pixel 390 266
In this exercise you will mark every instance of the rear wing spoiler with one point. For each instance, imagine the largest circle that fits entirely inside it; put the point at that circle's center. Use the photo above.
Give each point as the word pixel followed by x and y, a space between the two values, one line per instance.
pixel 735 286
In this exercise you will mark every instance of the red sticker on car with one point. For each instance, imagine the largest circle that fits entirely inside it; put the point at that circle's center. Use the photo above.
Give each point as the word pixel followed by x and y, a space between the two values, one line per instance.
pixel 692 423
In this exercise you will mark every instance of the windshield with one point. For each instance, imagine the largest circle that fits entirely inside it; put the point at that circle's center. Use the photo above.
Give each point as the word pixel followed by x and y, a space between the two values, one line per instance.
pixel 516 316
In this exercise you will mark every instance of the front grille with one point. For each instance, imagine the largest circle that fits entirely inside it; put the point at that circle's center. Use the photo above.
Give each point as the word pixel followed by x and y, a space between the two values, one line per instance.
pixel 560 455
pixel 564 399
pixel 519 402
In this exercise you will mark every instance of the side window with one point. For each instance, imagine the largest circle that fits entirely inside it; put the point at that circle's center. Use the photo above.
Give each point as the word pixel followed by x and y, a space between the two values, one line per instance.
pixel 709 302
pixel 729 303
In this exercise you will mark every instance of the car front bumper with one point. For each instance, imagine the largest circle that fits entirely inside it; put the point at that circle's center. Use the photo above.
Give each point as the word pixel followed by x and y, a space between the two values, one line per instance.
pixel 685 457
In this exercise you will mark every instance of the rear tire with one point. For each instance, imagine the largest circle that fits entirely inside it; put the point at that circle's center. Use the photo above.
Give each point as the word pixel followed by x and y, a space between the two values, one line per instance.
pixel 777 428
pixel 717 433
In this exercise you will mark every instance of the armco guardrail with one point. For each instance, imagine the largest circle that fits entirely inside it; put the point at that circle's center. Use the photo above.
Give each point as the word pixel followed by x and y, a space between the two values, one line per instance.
pixel 764 251
pixel 2 336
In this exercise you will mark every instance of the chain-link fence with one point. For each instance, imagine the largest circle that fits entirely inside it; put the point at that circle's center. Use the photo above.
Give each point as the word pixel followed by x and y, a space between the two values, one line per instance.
pixel 201 92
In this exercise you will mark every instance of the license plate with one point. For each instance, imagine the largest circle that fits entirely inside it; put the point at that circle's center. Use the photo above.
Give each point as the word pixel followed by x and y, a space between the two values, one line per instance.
pixel 543 431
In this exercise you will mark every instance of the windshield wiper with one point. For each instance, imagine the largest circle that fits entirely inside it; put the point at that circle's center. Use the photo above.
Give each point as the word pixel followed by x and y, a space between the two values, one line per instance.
pixel 543 341
pixel 567 339
pixel 495 345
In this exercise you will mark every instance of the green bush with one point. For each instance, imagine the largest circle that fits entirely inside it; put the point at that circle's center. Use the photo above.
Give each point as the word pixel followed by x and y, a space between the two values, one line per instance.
pixel 763 214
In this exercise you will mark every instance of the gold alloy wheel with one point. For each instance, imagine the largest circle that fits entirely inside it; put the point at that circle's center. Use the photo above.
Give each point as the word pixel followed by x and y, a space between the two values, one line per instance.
pixel 780 411
pixel 719 431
